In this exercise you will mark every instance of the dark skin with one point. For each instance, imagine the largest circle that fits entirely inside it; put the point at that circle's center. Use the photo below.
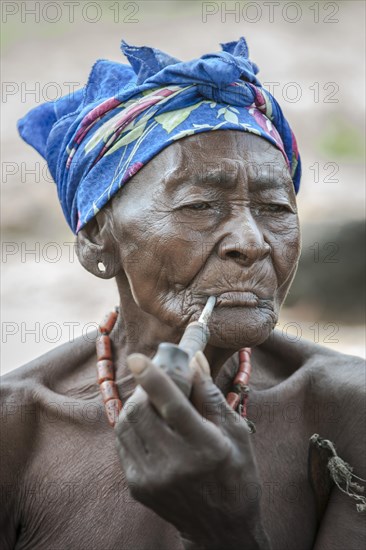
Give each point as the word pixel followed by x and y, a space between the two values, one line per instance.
pixel 181 230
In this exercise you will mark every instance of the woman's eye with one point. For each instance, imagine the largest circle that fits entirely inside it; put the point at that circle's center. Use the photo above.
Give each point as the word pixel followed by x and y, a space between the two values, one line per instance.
pixel 269 208
pixel 197 206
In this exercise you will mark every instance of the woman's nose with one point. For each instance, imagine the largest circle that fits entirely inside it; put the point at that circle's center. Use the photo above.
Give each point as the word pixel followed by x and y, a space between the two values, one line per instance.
pixel 243 241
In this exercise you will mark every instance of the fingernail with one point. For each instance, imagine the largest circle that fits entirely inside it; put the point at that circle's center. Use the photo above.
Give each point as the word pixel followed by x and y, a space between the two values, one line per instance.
pixel 137 363
pixel 202 363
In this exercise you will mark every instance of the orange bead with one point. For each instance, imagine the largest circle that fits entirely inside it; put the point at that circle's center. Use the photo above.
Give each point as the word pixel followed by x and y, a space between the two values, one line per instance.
pixel 113 408
pixel 241 378
pixel 244 355
pixel 103 345
pixel 108 322
pixel 233 399
pixel 109 390
pixel 105 370
pixel 245 367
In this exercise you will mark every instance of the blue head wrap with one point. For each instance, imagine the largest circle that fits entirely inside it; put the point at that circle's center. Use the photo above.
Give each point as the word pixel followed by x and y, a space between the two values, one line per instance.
pixel 94 140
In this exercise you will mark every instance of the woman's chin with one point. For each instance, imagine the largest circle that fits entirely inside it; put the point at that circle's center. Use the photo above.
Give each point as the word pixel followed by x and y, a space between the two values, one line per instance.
pixel 237 327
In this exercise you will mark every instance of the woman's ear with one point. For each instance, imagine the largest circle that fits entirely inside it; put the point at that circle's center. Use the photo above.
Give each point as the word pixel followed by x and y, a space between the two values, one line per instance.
pixel 96 248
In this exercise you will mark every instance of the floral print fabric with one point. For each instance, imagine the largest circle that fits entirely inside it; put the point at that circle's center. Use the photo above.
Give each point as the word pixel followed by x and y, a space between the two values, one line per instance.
pixel 96 139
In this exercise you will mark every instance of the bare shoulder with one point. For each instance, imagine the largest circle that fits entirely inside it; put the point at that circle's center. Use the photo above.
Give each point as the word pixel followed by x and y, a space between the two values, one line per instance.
pixel 335 383
pixel 340 381
pixel 22 393
pixel 23 387
pixel 328 370
pixel 327 367
pixel 336 376
pixel 66 357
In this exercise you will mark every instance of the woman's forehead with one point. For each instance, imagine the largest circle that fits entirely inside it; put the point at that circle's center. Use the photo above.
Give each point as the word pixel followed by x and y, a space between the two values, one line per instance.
pixel 209 154
pixel 223 160
pixel 225 144
pixel 224 157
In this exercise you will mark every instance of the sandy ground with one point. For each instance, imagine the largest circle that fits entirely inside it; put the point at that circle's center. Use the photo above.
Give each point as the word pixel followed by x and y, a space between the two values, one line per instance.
pixel 319 57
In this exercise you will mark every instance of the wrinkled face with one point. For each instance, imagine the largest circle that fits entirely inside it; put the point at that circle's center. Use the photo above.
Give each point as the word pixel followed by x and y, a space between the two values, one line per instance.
pixel 214 213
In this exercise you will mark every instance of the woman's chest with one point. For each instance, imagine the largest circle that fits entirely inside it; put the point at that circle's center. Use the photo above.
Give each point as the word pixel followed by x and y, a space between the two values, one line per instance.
pixel 75 496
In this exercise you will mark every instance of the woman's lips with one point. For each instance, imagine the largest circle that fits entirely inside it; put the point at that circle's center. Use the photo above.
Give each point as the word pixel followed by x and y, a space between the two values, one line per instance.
pixel 236 298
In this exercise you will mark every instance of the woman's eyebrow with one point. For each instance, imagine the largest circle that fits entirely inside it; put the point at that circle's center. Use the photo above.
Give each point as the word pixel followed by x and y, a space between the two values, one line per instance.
pixel 264 184
pixel 266 177
pixel 224 174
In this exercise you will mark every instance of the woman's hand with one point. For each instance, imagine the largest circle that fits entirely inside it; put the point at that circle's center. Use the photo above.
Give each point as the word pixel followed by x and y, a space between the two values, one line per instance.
pixel 190 461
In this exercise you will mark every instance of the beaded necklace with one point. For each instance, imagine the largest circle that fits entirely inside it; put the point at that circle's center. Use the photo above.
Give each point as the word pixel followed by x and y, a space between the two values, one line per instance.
pixel 237 397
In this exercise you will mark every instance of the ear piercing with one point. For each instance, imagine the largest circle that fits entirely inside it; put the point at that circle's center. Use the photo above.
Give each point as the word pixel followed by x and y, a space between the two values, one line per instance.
pixel 101 267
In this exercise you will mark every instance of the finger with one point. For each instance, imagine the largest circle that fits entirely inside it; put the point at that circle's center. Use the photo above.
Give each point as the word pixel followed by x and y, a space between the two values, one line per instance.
pixel 170 403
pixel 130 446
pixel 140 430
pixel 139 414
pixel 134 451
pixel 199 362
pixel 207 397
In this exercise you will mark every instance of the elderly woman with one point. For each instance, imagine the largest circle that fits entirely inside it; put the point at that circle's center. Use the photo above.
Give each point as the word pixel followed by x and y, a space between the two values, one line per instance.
pixel 179 179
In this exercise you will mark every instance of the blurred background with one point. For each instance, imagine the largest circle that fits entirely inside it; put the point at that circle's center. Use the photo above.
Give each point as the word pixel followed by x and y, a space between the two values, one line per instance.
pixel 311 57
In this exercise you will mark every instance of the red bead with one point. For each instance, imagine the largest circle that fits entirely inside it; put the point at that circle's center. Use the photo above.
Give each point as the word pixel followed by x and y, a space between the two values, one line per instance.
pixel 104 347
pixel 245 367
pixel 108 322
pixel 241 378
pixel 233 399
pixel 105 370
pixel 112 409
pixel 244 355
pixel 109 390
